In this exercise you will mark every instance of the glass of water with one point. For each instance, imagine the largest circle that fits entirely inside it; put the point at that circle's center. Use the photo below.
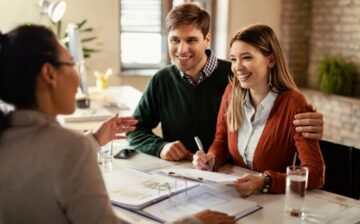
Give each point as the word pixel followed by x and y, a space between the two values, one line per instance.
pixel 296 184
pixel 105 155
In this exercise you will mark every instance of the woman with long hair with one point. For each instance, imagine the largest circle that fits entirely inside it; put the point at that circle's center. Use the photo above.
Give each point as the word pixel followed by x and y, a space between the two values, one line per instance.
pixel 254 126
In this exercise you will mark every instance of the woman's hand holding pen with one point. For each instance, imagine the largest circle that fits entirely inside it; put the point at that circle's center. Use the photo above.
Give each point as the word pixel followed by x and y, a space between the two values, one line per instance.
pixel 203 161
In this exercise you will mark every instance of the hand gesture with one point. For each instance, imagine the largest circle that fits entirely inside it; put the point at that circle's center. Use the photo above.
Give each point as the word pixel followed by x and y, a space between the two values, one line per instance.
pixel 175 151
pixel 248 184
pixel 110 129
pixel 203 161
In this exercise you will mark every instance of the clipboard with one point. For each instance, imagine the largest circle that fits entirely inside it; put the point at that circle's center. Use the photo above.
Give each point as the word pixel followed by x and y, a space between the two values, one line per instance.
pixel 199 175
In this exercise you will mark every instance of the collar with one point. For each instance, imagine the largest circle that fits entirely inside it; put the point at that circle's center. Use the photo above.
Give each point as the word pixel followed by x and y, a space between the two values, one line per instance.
pixel 267 102
pixel 30 118
pixel 208 69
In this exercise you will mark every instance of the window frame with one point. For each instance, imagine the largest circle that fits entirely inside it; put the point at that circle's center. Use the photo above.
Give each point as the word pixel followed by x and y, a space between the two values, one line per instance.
pixel 166 6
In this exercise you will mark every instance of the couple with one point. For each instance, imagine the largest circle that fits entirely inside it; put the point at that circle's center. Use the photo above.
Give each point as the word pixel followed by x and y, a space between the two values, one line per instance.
pixel 58 169
pixel 254 126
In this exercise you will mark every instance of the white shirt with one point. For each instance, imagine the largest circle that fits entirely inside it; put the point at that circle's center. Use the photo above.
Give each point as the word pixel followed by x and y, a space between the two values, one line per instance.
pixel 250 131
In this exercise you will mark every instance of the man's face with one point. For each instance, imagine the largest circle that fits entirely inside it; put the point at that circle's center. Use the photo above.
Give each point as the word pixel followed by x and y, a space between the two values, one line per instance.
pixel 187 48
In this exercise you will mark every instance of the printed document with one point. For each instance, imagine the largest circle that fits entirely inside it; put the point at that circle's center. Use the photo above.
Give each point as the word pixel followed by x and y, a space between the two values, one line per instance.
pixel 165 198
pixel 198 199
pixel 135 189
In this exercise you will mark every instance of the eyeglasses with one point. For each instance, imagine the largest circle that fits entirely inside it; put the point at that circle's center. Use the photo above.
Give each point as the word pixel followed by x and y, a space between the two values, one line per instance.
pixel 64 63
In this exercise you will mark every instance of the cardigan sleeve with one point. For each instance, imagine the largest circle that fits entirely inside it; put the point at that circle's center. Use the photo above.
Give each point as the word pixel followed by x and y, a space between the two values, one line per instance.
pixel 308 150
pixel 219 146
pixel 147 113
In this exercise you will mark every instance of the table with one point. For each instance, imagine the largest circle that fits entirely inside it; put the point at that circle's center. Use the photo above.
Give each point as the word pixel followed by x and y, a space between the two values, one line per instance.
pixel 321 206
pixel 114 99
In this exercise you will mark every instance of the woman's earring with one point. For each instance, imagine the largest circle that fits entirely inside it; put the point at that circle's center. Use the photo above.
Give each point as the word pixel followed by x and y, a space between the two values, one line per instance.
pixel 270 79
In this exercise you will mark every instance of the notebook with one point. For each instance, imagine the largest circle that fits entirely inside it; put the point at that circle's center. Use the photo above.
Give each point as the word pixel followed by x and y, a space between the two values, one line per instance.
pixel 135 189
pixel 164 198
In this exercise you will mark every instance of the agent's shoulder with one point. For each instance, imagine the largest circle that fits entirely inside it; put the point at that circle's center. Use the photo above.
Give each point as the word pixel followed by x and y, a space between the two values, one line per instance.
pixel 65 137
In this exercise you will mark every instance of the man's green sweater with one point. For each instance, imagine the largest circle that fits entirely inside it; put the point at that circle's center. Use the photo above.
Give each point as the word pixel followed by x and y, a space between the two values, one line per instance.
pixel 184 110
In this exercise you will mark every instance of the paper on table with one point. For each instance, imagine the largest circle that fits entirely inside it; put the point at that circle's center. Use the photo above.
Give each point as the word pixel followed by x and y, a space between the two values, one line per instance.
pixel 198 199
pixel 199 175
pixel 135 189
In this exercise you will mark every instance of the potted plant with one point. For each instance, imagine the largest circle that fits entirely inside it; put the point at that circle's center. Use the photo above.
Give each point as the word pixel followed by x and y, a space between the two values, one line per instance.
pixel 83 30
pixel 336 76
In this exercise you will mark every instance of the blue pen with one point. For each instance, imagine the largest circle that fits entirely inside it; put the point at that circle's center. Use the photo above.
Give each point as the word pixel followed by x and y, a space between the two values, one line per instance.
pixel 201 148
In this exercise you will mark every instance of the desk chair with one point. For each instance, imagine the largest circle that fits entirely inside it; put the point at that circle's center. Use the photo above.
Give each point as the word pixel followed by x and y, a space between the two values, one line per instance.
pixel 342 174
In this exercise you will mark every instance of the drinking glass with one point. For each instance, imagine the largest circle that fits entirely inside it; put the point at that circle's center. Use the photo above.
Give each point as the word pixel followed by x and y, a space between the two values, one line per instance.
pixel 296 184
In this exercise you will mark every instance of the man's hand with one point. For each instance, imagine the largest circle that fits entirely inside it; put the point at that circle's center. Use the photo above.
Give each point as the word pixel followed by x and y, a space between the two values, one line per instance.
pixel 175 151
pixel 310 124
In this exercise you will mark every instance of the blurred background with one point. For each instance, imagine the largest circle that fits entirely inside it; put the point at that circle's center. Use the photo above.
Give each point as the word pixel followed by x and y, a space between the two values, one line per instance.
pixel 320 39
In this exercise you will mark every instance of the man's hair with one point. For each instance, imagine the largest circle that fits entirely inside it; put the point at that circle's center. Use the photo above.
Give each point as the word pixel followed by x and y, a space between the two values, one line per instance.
pixel 186 14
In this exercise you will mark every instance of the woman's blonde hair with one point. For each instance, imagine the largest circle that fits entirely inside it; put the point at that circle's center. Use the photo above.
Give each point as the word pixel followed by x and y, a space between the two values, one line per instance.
pixel 263 38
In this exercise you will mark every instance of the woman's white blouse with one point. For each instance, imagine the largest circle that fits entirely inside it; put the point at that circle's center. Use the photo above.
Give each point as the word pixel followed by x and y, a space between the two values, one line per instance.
pixel 251 129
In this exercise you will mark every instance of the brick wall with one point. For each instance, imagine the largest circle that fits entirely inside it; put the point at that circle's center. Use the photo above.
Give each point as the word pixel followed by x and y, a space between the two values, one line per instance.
pixel 296 20
pixel 328 27
pixel 310 29
pixel 341 116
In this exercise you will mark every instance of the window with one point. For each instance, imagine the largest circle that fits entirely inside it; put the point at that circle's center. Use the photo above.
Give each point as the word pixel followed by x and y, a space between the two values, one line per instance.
pixel 143 40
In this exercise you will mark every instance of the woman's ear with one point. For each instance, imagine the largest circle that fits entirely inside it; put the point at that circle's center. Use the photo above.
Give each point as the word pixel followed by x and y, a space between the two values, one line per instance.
pixel 271 61
pixel 48 75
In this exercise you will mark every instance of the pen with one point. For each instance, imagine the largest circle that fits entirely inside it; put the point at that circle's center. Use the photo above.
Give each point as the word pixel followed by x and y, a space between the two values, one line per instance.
pixel 201 148
pixel 173 174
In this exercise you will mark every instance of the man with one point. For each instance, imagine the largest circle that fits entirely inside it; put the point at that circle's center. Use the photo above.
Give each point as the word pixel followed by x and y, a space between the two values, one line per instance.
pixel 185 97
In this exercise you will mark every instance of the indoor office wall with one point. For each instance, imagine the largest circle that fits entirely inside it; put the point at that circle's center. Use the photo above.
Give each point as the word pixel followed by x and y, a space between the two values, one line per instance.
pixel 104 18
pixel 245 12
pixel 240 13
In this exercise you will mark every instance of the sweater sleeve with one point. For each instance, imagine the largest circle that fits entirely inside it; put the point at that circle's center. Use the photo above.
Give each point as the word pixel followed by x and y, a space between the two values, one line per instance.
pixel 79 187
pixel 147 113
pixel 219 146
pixel 309 154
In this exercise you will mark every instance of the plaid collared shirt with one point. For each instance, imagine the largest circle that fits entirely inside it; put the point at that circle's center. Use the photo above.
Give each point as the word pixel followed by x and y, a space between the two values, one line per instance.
pixel 208 69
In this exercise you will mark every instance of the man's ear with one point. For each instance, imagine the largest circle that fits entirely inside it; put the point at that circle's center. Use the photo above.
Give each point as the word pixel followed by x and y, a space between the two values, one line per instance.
pixel 48 74
pixel 208 40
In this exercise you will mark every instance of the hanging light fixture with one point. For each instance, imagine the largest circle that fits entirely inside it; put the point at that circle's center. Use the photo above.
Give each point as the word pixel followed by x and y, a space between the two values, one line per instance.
pixel 54 10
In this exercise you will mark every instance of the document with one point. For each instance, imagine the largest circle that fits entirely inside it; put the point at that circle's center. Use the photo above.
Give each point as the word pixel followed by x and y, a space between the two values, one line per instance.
pixel 198 199
pixel 199 175
pixel 135 189
pixel 164 198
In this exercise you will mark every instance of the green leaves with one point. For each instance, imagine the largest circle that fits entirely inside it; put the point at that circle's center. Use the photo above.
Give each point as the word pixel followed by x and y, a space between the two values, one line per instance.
pixel 88 51
pixel 336 76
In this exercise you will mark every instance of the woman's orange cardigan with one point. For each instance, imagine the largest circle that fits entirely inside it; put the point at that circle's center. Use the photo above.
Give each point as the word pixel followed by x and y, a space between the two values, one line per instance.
pixel 277 145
